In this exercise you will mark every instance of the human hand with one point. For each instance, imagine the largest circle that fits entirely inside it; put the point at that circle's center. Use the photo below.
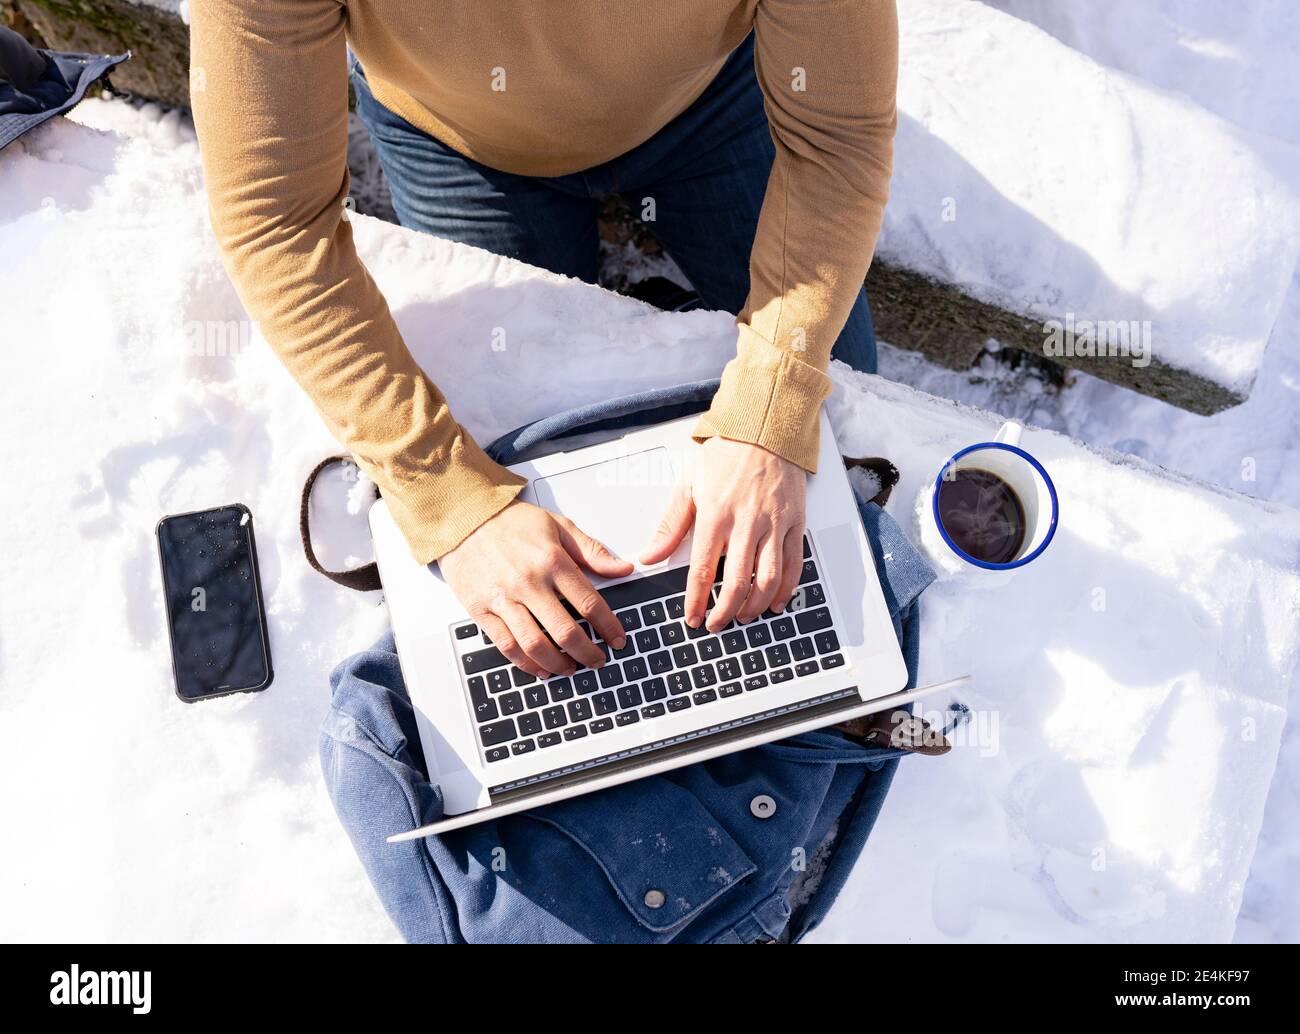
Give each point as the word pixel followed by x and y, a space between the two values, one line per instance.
pixel 512 574
pixel 747 502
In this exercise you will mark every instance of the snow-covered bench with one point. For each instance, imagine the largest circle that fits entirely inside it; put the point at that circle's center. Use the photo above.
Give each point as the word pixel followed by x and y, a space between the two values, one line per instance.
pixel 1137 672
pixel 1036 192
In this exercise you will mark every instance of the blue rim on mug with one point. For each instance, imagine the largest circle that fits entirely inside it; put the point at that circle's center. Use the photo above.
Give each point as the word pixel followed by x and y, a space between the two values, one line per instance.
pixel 1051 491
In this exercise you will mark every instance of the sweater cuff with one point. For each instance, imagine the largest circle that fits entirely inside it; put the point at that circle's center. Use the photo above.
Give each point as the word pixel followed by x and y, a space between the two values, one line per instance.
pixel 439 510
pixel 768 398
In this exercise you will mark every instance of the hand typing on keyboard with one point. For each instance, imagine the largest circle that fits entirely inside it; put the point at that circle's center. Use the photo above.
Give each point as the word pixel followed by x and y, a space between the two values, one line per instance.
pixel 514 575
pixel 748 503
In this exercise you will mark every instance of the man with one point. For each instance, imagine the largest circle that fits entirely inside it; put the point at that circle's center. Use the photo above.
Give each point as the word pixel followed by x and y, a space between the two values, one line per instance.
pixel 761 129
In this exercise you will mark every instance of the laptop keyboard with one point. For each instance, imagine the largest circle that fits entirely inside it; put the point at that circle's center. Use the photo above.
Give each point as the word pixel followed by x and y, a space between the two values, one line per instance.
pixel 665 667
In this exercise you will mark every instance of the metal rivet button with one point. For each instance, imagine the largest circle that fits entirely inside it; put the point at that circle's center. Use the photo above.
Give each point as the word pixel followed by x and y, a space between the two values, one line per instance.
pixel 762 807
pixel 654 898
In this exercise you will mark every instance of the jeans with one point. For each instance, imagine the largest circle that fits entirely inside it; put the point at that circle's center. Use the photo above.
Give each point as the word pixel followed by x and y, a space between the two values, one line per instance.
pixel 706 172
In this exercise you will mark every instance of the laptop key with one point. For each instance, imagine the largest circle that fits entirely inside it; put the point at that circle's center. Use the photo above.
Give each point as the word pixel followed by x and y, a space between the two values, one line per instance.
pixel 753 662
pixel 710 649
pixel 684 656
pixel 679 703
pixel 827 642
pixel 647 640
pixel 813 620
pixel 758 634
pixel 673 634
pixel 499 680
pixel 808 573
pixel 610 675
pixel 629 648
pixel 806 668
pixel 654 689
pixel 535 696
pixel 782 675
pixel 586 682
pixel 550 739
pixel 579 710
pixel 604 703
pixel 521 677
pixel 757 682
pixel 575 732
pixel 560 689
pixel 601 725
pixel 813 595
pixel 510 703
pixel 485 710
pixel 705 696
pixel 835 660
pixel 629 696
pixel 627 718
pixel 728 668
pixel 554 717
pixel 652 711
pixel 803 649
pixel 497 754
pixel 782 627
pixel 734 641
pixel 700 630
pixel 778 655
pixel 679 682
pixel 653 613
pixel 629 619
pixel 635 669
pixel 729 689
pixel 481 660
pixel 498 732
pixel 466 631
pixel 807 548
pixel 660 662
pixel 676 607
pixel 522 747
pixel 530 724
pixel 703 676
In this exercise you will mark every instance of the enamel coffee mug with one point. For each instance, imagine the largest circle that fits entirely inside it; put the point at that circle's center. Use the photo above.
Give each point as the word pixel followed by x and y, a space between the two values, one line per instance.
pixel 992 507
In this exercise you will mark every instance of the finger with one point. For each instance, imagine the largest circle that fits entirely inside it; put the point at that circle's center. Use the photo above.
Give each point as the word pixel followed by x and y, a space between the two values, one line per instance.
pixel 563 630
pixel 593 555
pixel 592 606
pixel 736 575
pixel 791 566
pixel 674 525
pixel 543 655
pixel 705 550
pixel 767 576
pixel 504 640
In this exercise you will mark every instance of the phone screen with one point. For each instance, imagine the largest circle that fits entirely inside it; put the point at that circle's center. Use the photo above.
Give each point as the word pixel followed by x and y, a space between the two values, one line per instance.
pixel 214 603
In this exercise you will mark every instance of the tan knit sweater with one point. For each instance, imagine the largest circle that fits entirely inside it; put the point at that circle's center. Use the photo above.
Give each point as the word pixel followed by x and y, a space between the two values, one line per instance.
pixel 584 81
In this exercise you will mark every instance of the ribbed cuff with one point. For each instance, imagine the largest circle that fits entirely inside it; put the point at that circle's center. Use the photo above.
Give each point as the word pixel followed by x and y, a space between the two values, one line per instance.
pixel 439 510
pixel 768 398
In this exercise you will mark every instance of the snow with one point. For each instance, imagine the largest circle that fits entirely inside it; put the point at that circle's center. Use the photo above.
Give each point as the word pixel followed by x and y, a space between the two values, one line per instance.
pixel 1111 784
pixel 1045 182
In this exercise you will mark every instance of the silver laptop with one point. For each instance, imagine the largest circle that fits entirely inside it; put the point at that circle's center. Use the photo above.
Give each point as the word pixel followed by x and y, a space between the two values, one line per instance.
pixel 498 740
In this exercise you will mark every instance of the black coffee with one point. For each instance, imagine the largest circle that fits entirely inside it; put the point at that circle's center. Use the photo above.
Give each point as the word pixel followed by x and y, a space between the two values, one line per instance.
pixel 983 515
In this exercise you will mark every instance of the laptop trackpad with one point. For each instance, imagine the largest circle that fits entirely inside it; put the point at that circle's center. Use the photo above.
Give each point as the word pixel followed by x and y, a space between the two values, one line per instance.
pixel 619 502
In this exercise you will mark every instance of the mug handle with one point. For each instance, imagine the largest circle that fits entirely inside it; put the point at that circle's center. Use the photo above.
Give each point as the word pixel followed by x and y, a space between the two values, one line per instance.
pixel 1009 433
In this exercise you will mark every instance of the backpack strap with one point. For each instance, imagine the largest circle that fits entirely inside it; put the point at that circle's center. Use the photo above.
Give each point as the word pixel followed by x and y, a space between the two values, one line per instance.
pixel 364 578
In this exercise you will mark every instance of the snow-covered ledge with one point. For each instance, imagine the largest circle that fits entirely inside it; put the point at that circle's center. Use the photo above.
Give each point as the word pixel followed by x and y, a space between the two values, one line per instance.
pixel 1129 686
pixel 1032 184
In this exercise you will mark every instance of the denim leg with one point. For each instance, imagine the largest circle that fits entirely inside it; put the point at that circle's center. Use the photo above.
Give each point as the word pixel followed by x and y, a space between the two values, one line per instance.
pixel 439 191
pixel 374 771
pixel 707 173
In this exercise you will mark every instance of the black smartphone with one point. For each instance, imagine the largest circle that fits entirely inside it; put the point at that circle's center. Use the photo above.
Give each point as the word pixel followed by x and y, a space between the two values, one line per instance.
pixel 213 595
